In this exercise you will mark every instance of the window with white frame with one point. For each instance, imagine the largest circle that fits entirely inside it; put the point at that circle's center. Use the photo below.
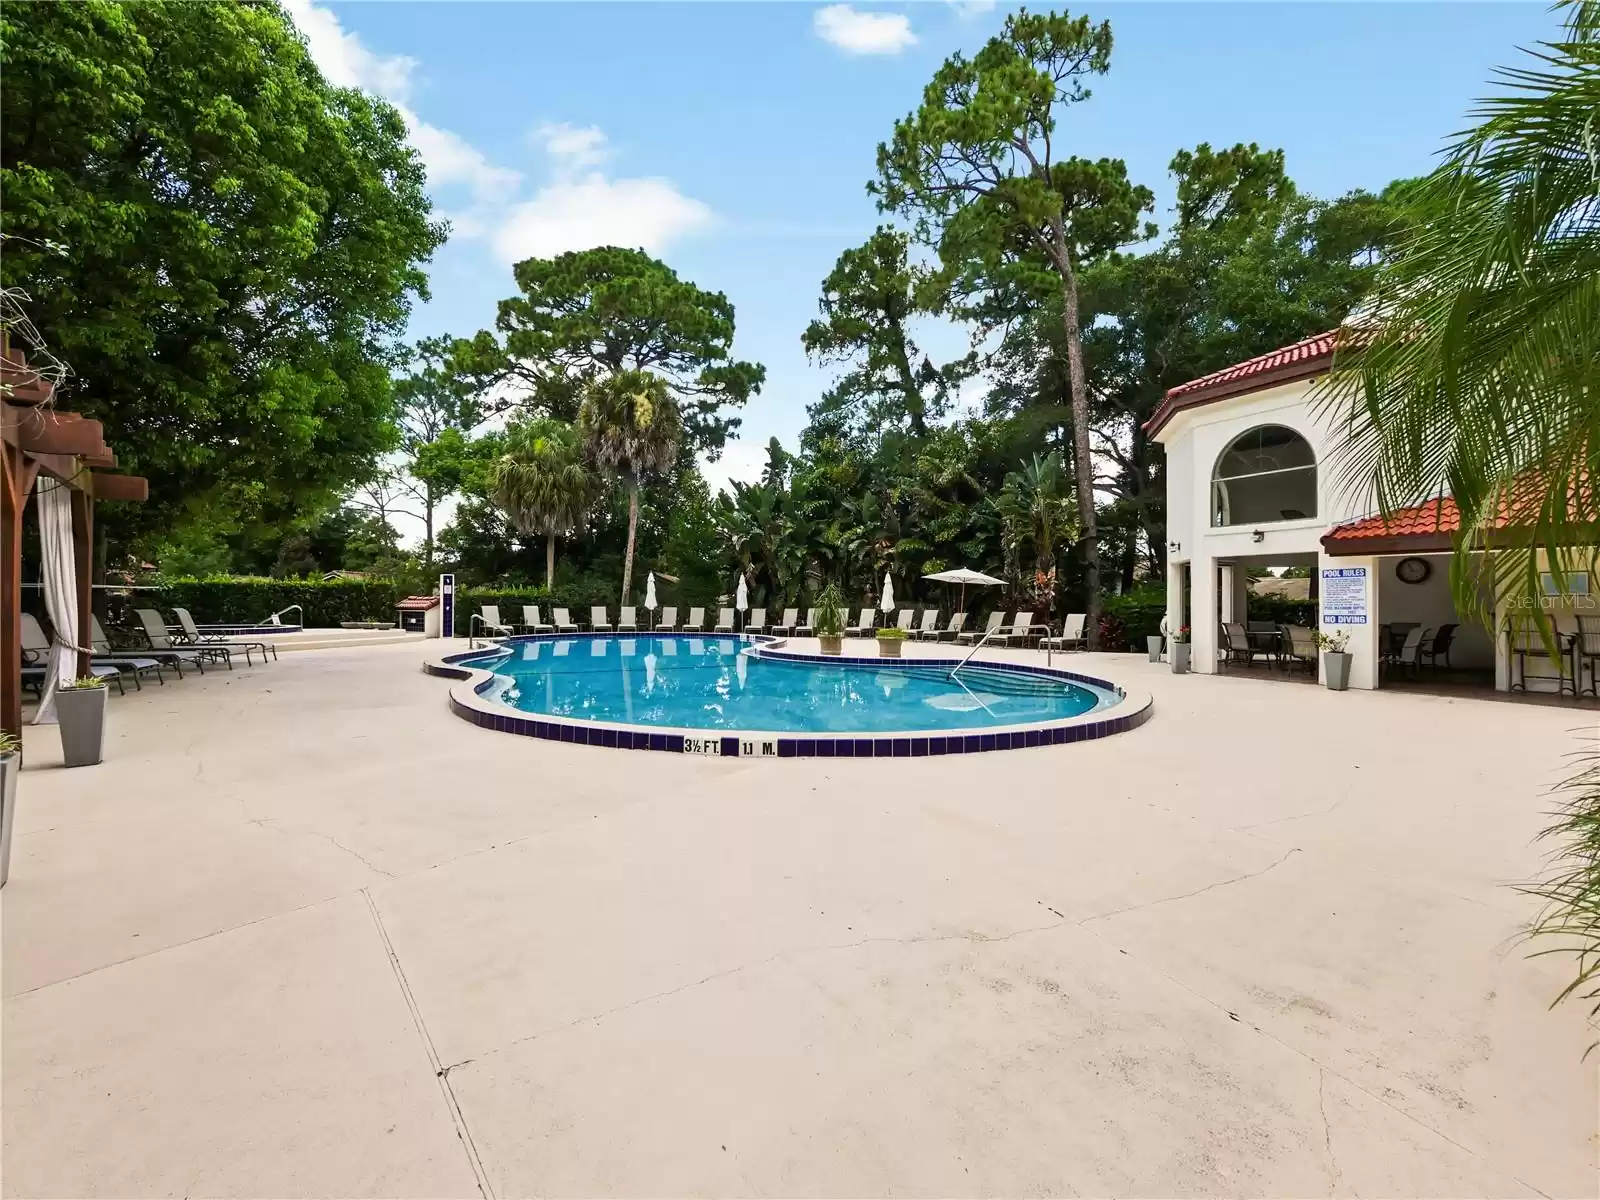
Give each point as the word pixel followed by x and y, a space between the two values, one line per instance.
pixel 1266 474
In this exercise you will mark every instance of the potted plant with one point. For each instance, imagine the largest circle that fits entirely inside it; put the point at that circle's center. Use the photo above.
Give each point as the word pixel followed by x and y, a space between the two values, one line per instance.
pixel 81 712
pixel 1180 651
pixel 889 642
pixel 1153 642
pixel 10 764
pixel 1335 658
pixel 830 622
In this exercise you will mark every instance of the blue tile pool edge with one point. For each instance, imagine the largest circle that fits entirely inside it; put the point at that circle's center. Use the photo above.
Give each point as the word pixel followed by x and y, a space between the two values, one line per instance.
pixel 1131 710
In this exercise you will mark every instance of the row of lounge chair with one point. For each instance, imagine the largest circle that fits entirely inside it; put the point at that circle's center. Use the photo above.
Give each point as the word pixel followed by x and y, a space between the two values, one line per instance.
pixel 1020 629
pixel 151 648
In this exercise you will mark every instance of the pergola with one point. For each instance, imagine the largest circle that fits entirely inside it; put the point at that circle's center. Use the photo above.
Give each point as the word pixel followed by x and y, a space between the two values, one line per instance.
pixel 37 436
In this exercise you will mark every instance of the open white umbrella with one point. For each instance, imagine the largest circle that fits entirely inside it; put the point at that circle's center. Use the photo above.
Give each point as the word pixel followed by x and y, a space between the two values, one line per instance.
pixel 964 576
pixel 886 601
pixel 650 596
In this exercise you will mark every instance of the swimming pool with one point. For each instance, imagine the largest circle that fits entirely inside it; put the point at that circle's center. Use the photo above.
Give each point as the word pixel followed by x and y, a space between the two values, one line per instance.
pixel 708 694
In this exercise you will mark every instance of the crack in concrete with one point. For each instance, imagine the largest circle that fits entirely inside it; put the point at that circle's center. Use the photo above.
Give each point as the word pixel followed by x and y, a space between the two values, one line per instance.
pixel 1316 812
pixel 1335 1176
pixel 440 1072
pixel 1210 887
pixel 291 831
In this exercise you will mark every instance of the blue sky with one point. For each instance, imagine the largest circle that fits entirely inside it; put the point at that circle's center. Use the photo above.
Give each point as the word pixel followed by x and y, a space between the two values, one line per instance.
pixel 734 140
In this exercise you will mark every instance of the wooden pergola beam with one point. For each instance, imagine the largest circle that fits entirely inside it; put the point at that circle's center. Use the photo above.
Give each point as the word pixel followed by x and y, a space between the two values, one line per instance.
pixel 119 487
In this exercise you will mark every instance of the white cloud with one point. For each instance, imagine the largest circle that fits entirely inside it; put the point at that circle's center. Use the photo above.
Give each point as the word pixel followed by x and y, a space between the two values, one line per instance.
pixel 577 214
pixel 863 32
pixel 972 8
pixel 573 147
pixel 741 461
pixel 347 62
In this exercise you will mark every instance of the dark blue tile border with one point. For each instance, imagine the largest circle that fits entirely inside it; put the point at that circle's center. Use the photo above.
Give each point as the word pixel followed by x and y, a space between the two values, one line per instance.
pixel 460 666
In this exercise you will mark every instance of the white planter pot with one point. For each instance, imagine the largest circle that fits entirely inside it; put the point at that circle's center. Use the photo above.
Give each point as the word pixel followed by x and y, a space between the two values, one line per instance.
pixel 1336 670
pixel 10 766
pixel 1153 644
pixel 1180 658
pixel 82 716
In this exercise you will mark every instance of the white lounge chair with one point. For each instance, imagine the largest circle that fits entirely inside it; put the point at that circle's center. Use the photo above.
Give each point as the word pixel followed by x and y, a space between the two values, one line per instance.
pixel 533 622
pixel 1021 630
pixel 599 619
pixel 628 619
pixel 757 622
pixel 791 618
pixel 930 625
pixel 564 622
pixel 996 619
pixel 864 625
pixel 809 626
pixel 908 619
pixel 669 620
pixel 952 630
pixel 724 621
pixel 1071 636
pixel 696 622
pixel 489 617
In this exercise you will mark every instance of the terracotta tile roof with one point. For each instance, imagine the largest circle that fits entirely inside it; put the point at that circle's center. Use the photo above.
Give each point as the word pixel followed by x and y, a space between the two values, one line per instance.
pixel 1433 522
pixel 1302 360
pixel 416 603
pixel 1438 516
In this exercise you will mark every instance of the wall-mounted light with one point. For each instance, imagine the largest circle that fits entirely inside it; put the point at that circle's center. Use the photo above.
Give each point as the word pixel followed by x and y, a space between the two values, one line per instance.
pixel 1174 547
pixel 1257 536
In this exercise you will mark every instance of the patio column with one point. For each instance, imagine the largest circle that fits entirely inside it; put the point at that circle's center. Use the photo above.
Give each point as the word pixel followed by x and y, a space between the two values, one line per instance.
pixel 1229 593
pixel 1203 618
pixel 1349 605
pixel 83 562
pixel 1177 616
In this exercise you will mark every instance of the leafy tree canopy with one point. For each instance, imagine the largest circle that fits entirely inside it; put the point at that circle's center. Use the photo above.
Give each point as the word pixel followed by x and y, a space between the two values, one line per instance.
pixel 220 244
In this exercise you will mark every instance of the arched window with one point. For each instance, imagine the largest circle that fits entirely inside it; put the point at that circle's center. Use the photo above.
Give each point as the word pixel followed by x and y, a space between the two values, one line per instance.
pixel 1267 474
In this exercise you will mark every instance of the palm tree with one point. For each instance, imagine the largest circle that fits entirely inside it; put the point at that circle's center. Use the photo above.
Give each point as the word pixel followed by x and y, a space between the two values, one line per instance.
pixel 542 483
pixel 630 425
pixel 1479 375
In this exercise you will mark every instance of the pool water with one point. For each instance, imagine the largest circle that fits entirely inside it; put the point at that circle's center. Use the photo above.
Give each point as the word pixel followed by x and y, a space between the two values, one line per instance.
pixel 689 682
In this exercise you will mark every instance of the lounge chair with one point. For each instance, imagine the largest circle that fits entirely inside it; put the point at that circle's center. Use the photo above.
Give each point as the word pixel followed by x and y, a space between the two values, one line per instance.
pixel 1021 630
pixel 599 619
pixel 164 648
pixel 908 619
pixel 863 626
pixel 193 636
pixel 952 630
pixel 563 621
pixel 724 621
pixel 533 622
pixel 808 626
pixel 628 618
pixel 696 622
pixel 757 622
pixel 1071 636
pixel 930 625
pixel 791 618
pixel 109 655
pixel 669 620
pixel 972 637
pixel 489 618
pixel 36 652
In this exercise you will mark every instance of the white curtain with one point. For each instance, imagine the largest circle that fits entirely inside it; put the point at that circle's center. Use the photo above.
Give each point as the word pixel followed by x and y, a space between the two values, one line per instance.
pixel 60 588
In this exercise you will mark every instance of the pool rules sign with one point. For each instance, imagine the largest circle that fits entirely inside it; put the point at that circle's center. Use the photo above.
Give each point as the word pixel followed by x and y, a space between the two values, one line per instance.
pixel 1344 595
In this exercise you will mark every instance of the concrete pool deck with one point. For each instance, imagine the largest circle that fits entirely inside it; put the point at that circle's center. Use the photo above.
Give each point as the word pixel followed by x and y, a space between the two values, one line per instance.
pixel 307 934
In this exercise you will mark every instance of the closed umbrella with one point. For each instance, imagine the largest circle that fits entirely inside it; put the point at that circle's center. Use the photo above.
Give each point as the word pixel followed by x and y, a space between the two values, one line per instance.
pixel 650 596
pixel 741 596
pixel 964 576
pixel 886 601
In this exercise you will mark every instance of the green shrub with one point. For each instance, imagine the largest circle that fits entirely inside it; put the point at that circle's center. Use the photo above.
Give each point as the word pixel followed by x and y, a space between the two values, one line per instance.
pixel 1140 614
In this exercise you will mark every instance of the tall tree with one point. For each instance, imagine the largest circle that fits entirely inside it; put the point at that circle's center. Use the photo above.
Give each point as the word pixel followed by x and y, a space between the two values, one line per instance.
pixel 630 425
pixel 436 417
pixel 976 167
pixel 588 315
pixel 542 482
pixel 242 246
pixel 868 301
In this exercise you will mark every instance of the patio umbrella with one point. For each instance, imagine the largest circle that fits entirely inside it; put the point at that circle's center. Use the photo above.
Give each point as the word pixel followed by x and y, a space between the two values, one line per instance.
pixel 886 601
pixel 650 595
pixel 741 596
pixel 964 576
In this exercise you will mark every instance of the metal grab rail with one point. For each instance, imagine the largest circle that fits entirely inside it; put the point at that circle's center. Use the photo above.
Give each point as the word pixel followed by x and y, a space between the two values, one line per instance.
pixel 476 619
pixel 987 634
pixel 273 619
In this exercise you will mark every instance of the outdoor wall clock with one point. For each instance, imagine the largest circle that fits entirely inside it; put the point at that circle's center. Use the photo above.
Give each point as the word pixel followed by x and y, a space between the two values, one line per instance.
pixel 1413 570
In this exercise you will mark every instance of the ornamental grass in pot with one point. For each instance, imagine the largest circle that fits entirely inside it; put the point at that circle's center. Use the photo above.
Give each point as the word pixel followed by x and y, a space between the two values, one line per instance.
pixel 830 620
pixel 81 715
pixel 889 642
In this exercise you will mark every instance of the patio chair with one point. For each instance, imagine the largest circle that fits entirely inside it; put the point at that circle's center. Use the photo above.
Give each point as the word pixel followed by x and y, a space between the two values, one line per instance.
pixel 1300 647
pixel 930 625
pixel 669 620
pixel 599 619
pixel 1071 633
pixel 1022 629
pixel 866 624
pixel 533 622
pixel 1409 656
pixel 908 619
pixel 192 636
pixel 972 637
pixel 1438 646
pixel 953 630
pixel 757 622
pixel 163 648
pixel 107 653
pixel 791 618
pixel 36 653
pixel 808 626
pixel 489 618
pixel 1586 653
pixel 628 618
pixel 724 621
pixel 696 622
pixel 1525 642
pixel 1236 643
pixel 563 621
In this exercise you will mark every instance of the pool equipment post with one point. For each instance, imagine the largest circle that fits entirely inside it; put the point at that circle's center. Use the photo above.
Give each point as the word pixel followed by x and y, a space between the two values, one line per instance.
pixel 447 604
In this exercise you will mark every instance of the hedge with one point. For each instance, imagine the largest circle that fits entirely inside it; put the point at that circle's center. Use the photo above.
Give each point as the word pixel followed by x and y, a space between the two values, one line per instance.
pixel 242 599
pixel 1138 615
